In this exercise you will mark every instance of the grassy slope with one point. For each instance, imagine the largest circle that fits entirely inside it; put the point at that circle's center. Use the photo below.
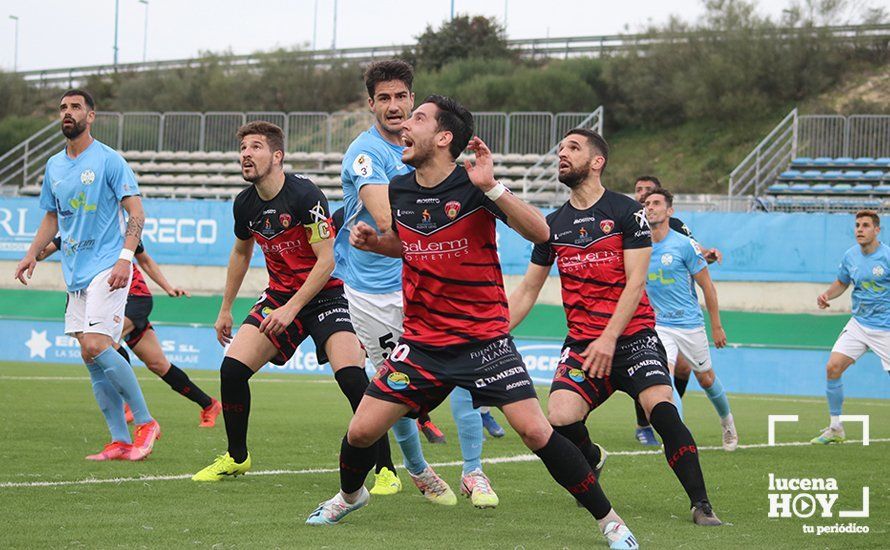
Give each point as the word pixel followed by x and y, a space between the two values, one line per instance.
pixel 297 423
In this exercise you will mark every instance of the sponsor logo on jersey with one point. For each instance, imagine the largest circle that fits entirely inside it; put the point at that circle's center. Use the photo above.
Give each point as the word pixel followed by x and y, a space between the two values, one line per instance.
pixel 398 380
pixel 284 219
pixel 607 225
pixel 429 200
pixel 452 209
pixel 584 220
pixel 426 216
pixel 436 250
pixel 87 177
pixel 362 166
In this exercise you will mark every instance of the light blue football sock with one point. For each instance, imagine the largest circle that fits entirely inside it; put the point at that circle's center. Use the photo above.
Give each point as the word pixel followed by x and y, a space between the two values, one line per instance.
pixel 469 428
pixel 835 392
pixel 110 403
pixel 718 398
pixel 408 438
pixel 122 377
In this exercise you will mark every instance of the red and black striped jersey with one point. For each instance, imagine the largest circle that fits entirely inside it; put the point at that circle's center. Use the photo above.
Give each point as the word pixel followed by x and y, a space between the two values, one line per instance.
pixel 588 247
pixel 285 228
pixel 137 284
pixel 451 274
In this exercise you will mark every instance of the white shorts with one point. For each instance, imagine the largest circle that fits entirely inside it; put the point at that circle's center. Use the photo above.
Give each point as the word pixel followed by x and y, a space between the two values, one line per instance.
pixel 855 339
pixel 97 308
pixel 377 319
pixel 692 343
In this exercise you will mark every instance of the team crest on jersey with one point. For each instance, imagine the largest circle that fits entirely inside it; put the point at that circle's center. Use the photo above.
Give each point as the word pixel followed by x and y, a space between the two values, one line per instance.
pixel 425 216
pixel 877 271
pixel 584 236
pixel 452 209
pixel 577 375
pixel 667 259
pixel 265 311
pixel 87 177
pixel 397 380
pixel 284 219
pixel 606 226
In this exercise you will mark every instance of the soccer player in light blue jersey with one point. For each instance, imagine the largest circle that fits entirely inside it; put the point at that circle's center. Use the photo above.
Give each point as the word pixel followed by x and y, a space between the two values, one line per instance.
pixel 373 283
pixel 86 189
pixel 866 266
pixel 676 266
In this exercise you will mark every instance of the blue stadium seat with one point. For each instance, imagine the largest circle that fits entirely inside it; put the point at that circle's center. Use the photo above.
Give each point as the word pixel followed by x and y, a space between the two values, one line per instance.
pixel 873 175
pixel 799 187
pixel 883 188
pixel 843 161
pixel 821 188
pixel 863 189
pixel 854 175
pixel 842 188
pixel 823 161
pixel 778 188
pixel 790 174
pixel 831 175
pixel 883 162
pixel 811 175
pixel 864 161
pixel 802 161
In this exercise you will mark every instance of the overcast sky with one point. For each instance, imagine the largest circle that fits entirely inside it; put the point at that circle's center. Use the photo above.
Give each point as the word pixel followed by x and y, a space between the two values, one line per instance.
pixel 57 33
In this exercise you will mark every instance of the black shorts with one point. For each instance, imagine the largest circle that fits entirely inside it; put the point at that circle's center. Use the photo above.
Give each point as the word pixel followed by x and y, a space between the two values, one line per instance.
pixel 640 362
pixel 323 316
pixel 422 376
pixel 137 311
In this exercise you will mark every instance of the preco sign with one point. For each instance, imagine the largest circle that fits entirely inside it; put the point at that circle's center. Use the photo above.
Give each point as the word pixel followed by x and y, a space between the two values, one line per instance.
pixel 180 231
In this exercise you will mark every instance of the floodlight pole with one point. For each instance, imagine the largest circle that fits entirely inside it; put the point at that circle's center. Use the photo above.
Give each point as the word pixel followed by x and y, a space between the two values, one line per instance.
pixel 334 37
pixel 145 32
pixel 116 12
pixel 15 58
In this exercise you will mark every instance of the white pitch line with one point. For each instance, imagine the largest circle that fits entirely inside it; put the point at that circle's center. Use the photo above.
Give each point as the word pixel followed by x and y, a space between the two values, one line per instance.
pixel 87 378
pixel 495 460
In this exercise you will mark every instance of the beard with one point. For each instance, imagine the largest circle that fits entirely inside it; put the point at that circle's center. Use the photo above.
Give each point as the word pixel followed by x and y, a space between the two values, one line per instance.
pixel 258 173
pixel 74 130
pixel 422 154
pixel 574 178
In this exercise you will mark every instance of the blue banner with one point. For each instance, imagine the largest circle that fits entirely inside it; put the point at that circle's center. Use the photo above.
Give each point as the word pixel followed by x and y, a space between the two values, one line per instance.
pixel 742 370
pixel 756 246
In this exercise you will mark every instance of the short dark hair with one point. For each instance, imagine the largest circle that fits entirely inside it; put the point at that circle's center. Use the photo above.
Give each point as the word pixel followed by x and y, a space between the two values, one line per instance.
pixel 385 71
pixel 274 134
pixel 668 196
pixel 869 214
pixel 455 118
pixel 595 140
pixel 653 179
pixel 82 93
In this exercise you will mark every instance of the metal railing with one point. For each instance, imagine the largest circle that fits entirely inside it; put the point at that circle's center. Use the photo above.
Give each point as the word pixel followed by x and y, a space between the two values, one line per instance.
pixel 767 160
pixel 539 185
pixel 571 46
pixel 520 133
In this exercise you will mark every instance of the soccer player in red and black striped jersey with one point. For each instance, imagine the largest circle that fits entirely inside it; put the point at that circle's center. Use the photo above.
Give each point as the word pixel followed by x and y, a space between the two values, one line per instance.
pixel 287 216
pixel 456 317
pixel 140 337
pixel 601 243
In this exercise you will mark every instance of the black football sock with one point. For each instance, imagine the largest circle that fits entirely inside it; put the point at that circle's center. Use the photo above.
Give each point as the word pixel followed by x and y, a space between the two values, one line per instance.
pixel 353 382
pixel 570 469
pixel 680 384
pixel 577 433
pixel 123 351
pixel 355 463
pixel 182 384
pixel 235 394
pixel 679 449
pixel 642 421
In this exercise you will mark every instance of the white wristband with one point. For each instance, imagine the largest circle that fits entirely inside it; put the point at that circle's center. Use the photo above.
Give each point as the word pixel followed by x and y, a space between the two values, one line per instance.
pixel 126 254
pixel 495 192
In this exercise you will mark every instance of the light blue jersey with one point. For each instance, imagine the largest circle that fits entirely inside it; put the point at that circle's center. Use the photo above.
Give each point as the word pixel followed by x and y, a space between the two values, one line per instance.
pixel 370 160
pixel 870 276
pixel 86 193
pixel 670 285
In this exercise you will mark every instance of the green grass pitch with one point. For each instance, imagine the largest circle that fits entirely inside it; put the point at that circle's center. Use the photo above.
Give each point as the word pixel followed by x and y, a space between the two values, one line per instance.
pixel 49 422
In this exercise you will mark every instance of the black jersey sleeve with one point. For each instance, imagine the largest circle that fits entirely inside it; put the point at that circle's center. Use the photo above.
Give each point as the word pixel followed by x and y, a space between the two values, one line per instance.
pixel 634 225
pixel 239 210
pixel 677 225
pixel 337 219
pixel 543 254
pixel 57 241
pixel 139 248
pixel 312 207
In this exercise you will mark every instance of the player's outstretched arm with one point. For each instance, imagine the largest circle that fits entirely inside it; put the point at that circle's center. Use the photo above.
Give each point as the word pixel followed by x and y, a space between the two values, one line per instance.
pixel 49 226
pixel 239 263
pixel 522 217
pixel 388 243
pixel 278 320
pixel 598 355
pixel 703 279
pixel 836 289
pixel 375 198
pixel 526 293
pixel 153 270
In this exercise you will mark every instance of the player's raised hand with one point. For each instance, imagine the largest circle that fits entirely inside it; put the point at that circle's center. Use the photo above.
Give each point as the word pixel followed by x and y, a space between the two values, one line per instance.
pixel 177 292
pixel 482 172
pixel 598 357
pixel 27 265
pixel 713 255
pixel 822 301
pixel 223 327
pixel 719 337
pixel 277 321
pixel 363 237
pixel 120 274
